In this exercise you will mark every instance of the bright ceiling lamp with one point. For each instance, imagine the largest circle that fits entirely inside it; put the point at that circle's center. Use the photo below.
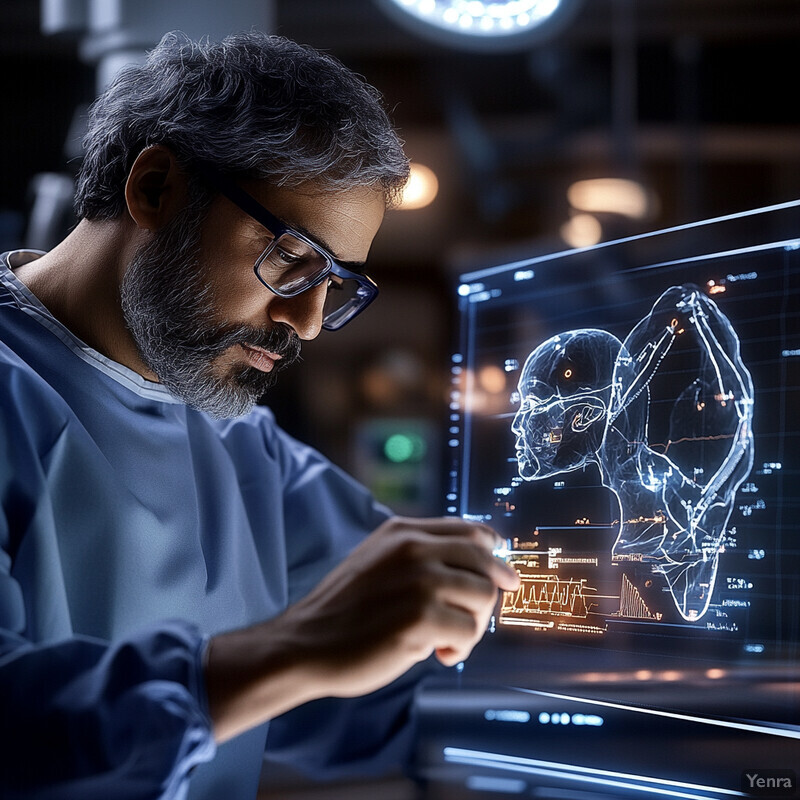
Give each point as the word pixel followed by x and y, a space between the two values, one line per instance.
pixel 482 24
pixel 421 188
pixel 611 196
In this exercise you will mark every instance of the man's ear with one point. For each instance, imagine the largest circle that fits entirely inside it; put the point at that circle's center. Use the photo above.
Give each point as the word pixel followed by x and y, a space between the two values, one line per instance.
pixel 156 189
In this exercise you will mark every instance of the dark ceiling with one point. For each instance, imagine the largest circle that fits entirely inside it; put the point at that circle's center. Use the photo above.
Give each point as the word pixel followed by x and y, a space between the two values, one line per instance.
pixel 693 95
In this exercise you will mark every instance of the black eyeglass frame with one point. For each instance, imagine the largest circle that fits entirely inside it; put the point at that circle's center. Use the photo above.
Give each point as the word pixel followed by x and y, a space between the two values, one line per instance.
pixel 367 289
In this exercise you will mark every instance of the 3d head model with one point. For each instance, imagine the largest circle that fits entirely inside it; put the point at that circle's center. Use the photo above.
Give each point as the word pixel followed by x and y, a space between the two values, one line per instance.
pixel 585 397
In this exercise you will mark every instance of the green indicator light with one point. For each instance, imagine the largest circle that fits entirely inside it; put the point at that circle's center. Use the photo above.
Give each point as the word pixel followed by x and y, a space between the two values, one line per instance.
pixel 402 447
pixel 398 448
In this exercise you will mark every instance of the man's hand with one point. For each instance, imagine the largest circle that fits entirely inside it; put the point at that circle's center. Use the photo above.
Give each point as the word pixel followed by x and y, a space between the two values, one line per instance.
pixel 413 588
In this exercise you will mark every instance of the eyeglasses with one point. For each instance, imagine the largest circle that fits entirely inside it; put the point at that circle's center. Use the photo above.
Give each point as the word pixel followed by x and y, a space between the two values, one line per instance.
pixel 292 263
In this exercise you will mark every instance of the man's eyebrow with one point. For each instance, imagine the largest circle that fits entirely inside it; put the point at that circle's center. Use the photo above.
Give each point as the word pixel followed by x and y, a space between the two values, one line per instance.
pixel 354 266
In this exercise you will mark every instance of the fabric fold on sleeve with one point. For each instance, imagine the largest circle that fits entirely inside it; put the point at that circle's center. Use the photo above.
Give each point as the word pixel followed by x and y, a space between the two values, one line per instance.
pixel 82 718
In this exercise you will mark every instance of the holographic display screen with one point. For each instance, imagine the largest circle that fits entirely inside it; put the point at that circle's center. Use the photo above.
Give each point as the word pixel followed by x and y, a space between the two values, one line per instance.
pixel 627 418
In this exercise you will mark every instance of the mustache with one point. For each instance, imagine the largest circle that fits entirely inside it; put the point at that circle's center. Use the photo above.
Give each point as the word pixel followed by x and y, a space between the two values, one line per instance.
pixel 279 339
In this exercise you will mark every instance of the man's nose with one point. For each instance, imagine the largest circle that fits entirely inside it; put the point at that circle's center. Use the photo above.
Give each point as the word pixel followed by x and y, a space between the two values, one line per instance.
pixel 303 312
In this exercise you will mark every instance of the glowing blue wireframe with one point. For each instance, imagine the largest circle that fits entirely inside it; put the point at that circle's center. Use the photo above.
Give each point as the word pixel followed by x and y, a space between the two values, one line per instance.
pixel 585 397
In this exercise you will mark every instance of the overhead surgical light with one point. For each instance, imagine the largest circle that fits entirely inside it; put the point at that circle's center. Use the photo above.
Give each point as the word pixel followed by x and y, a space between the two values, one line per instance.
pixel 482 24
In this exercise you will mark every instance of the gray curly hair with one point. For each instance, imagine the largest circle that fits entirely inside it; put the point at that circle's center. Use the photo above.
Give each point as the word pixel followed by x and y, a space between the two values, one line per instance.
pixel 253 105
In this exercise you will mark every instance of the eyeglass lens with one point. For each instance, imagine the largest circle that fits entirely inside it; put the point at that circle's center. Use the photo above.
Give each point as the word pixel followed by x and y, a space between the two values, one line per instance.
pixel 290 265
pixel 344 298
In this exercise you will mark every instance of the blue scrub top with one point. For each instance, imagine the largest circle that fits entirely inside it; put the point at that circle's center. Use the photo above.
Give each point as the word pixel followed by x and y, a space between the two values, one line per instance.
pixel 132 528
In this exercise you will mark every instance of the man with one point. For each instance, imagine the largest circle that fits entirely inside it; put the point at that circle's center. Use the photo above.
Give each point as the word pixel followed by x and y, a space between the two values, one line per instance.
pixel 163 588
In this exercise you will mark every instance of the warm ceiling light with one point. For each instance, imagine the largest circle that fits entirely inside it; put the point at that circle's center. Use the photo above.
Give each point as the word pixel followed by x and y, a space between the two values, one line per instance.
pixel 610 196
pixel 421 189
pixel 582 230
pixel 481 23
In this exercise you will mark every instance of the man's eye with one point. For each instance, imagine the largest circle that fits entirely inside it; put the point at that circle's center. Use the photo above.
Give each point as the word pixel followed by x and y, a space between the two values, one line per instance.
pixel 286 257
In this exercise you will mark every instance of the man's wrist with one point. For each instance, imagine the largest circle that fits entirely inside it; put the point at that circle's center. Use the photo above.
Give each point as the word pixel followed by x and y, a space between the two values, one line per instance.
pixel 253 675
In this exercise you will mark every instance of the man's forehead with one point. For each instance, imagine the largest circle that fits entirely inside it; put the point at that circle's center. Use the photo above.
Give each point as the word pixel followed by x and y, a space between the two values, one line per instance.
pixel 335 220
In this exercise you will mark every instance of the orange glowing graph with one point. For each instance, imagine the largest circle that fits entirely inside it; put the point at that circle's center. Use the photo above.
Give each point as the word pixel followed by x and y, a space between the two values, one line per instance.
pixel 547 595
pixel 631 604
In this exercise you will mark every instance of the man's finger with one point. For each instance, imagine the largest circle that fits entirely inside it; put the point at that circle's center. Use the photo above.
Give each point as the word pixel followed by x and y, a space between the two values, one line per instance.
pixel 452 526
pixel 467 555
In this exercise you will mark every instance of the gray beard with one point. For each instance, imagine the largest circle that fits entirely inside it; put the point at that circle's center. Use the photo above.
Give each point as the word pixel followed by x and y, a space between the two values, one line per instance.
pixel 169 310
